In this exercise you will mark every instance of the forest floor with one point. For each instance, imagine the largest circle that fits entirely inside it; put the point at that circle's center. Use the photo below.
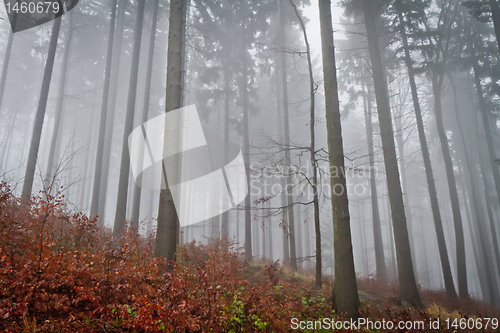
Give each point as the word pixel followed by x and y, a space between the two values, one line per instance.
pixel 60 272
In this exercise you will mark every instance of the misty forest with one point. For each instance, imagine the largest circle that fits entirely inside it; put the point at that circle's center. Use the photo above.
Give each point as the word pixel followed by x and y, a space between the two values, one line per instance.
pixel 365 135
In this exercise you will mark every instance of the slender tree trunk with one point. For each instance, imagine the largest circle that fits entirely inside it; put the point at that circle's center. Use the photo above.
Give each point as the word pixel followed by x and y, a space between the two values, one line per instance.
pixel 485 116
pixel 479 260
pixel 489 209
pixel 407 284
pixel 3 79
pixel 145 110
pixel 56 142
pixel 5 66
pixel 484 243
pixel 283 224
pixel 288 188
pixel 312 152
pixel 390 236
pixel 255 239
pixel 225 216
pixel 270 233
pixel 110 119
pixel 404 183
pixel 104 112
pixel 477 210
pixel 452 187
pixel 168 224
pixel 480 159
pixel 40 113
pixel 307 235
pixel 431 185
pixel 121 201
pixel 377 230
pixel 345 294
pixel 246 144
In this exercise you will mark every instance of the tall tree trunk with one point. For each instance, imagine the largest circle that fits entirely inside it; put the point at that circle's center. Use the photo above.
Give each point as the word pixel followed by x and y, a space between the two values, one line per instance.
pixel 168 224
pixel 485 116
pixel 110 119
pixel 270 232
pixel 345 294
pixel 55 141
pixel 431 185
pixel 479 260
pixel 404 183
pixel 377 230
pixel 289 195
pixel 477 210
pixel 483 242
pixel 489 208
pixel 307 234
pixel 40 113
pixel 145 111
pixel 246 143
pixel 3 79
pixel 312 152
pixel 104 113
pixel 225 216
pixel 407 284
pixel 493 231
pixel 452 187
pixel 390 236
pixel 121 201
pixel 5 66
pixel 283 224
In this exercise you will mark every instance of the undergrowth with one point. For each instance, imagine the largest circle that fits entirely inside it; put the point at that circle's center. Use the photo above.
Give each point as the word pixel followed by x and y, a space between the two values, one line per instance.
pixel 60 272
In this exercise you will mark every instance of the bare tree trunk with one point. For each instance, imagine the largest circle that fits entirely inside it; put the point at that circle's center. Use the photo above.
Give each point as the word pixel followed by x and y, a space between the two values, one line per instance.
pixel 136 205
pixel 390 235
pixel 40 113
pixel 286 121
pixel 483 241
pixel 312 152
pixel 246 144
pixel 3 79
pixel 477 211
pixel 479 260
pixel 404 183
pixel 489 209
pixel 56 142
pixel 270 233
pixel 104 113
pixel 110 119
pixel 407 284
pixel 284 225
pixel 225 216
pixel 438 223
pixel 307 235
pixel 121 201
pixel 168 224
pixel 452 187
pixel 485 116
pixel 377 230
pixel 345 294
pixel 6 61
